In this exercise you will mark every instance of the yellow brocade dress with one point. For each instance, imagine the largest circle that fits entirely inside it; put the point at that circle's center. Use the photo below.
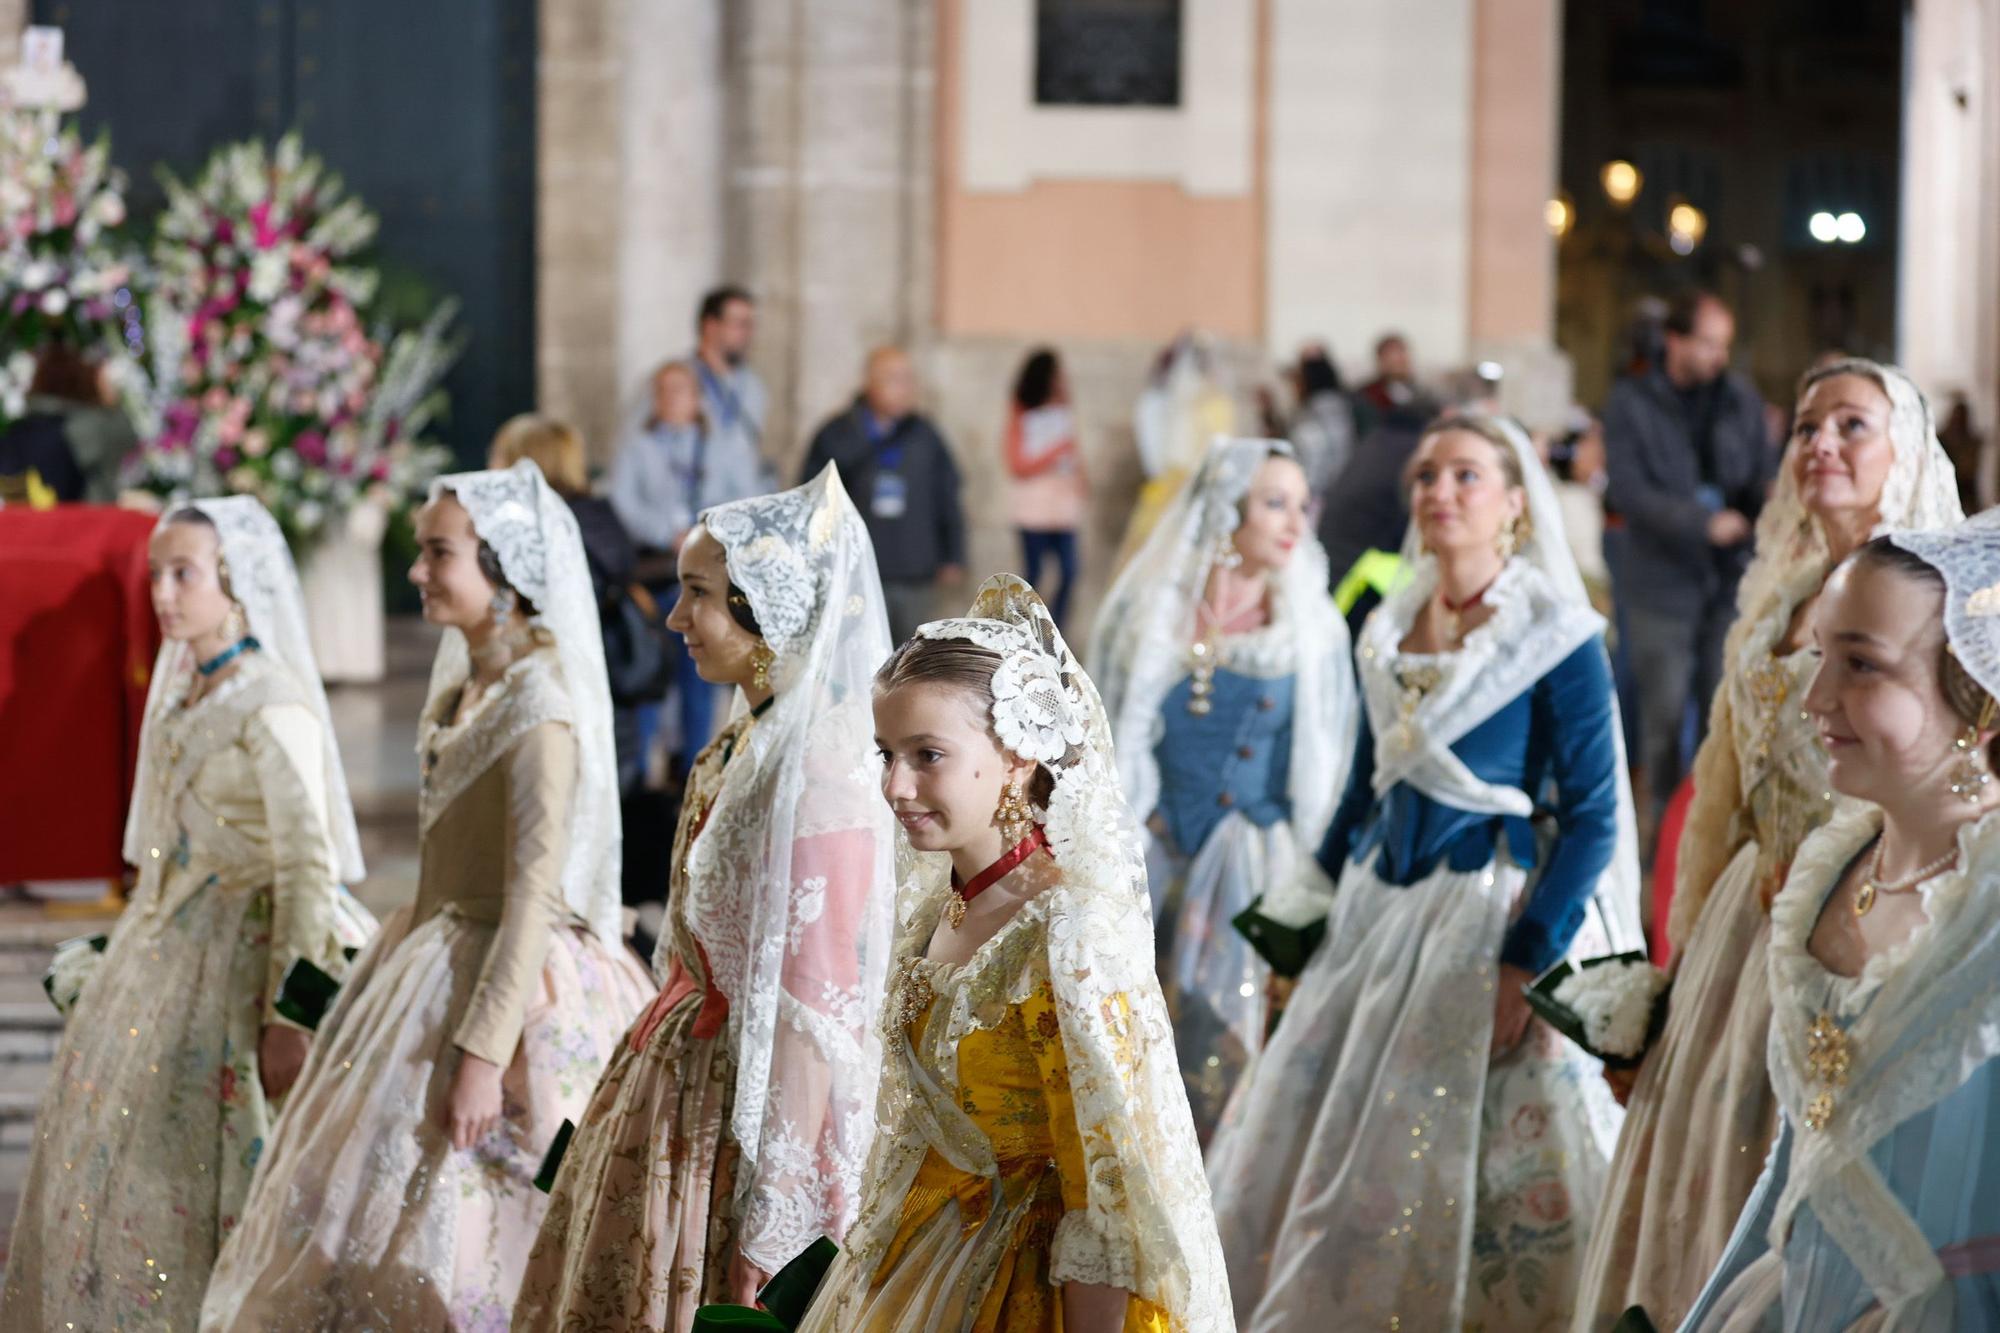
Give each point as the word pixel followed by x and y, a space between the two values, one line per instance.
pixel 1013 1083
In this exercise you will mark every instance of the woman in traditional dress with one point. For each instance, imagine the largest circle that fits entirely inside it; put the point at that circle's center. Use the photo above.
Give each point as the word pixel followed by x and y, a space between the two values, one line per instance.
pixel 165 1084
pixel 1701 1113
pixel 1880 1205
pixel 1229 680
pixel 1410 1147
pixel 730 1129
pixel 399 1190
pixel 1036 1166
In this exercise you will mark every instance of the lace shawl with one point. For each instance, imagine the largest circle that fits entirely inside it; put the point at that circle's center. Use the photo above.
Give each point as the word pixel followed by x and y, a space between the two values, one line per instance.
pixel 1913 1027
pixel 1921 491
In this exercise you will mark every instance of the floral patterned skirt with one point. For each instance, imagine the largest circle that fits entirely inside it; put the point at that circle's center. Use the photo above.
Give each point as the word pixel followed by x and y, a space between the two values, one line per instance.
pixel 362 1215
pixel 639 1227
pixel 151 1125
pixel 1377 1168
pixel 1700 1122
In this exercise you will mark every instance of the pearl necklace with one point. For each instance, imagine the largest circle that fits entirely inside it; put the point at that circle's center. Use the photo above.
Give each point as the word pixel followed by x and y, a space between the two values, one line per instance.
pixel 1873 883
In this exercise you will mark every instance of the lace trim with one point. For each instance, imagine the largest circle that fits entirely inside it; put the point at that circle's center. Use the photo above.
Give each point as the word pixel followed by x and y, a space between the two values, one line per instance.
pixel 1916 1023
pixel 529 693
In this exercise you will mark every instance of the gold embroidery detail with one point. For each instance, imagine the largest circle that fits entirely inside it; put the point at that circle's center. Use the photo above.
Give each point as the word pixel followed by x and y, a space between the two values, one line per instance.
pixel 1819 1111
pixel 1829 1054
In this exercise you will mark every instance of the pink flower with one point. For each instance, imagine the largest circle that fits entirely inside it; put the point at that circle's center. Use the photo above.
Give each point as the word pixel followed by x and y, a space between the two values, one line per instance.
pixel 65 206
pixel 311 447
pixel 1531 1122
pixel 215 399
pixel 227 1084
pixel 225 458
pixel 1547 1201
pixel 267 235
pixel 379 470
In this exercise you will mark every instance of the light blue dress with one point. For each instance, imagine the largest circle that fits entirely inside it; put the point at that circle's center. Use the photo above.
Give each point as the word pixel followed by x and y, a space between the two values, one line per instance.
pixel 1917 1110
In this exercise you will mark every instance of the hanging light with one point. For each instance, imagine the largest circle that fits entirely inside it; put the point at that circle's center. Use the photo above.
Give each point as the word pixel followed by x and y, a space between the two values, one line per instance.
pixel 1686 225
pixel 1559 215
pixel 1621 181
pixel 1850 228
pixel 1824 228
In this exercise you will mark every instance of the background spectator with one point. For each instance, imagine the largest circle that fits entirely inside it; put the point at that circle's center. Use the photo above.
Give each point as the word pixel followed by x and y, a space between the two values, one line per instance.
pixel 1688 464
pixel 732 397
pixel 900 474
pixel 1047 494
pixel 1322 425
pixel 72 437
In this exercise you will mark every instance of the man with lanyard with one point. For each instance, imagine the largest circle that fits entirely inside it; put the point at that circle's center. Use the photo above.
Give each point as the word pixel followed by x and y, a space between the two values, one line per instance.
pixel 901 475
pixel 732 396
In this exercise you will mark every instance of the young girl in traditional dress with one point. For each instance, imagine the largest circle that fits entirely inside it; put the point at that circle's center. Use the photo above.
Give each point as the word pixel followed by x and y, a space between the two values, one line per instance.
pixel 730 1129
pixel 1229 680
pixel 167 1080
pixel 1879 1208
pixel 399 1191
pixel 1036 1165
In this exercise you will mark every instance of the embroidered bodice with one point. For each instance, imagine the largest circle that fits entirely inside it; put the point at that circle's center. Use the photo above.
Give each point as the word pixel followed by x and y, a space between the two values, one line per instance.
pixel 241 775
pixel 1778 755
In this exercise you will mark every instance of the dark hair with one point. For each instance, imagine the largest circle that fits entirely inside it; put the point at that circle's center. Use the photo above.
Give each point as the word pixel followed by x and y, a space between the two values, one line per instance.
pixel 1967 697
pixel 961 665
pixel 62 371
pixel 189 514
pixel 1036 384
pixel 717 301
pixel 1317 374
pixel 741 611
pixel 1388 340
pixel 1685 308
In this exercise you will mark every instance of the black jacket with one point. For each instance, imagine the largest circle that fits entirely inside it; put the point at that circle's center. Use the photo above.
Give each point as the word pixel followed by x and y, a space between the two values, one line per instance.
pixel 1666 489
pixel 930 532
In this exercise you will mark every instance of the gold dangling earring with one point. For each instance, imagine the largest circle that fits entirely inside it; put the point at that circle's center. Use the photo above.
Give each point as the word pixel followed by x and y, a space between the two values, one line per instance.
pixel 237 622
pixel 762 659
pixel 1014 817
pixel 1508 540
pixel 1970 774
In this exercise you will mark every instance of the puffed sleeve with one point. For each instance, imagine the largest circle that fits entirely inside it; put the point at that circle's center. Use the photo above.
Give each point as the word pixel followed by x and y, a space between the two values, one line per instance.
pixel 1571 706
pixel 288 754
pixel 541 779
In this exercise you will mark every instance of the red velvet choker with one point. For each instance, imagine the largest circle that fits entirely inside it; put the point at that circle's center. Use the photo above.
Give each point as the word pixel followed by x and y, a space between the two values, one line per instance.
pixel 961 894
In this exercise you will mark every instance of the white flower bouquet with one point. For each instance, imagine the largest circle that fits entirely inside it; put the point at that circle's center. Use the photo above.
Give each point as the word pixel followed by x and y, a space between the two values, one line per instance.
pixel 1613 1007
pixel 67 272
pixel 74 964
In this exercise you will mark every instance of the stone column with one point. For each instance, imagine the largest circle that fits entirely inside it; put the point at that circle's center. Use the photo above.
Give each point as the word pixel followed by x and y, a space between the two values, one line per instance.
pixel 1516 103
pixel 628 219
pixel 1948 294
pixel 828 204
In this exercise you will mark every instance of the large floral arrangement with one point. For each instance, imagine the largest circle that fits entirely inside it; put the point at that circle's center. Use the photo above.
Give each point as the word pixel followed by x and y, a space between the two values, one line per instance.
pixel 268 378
pixel 66 268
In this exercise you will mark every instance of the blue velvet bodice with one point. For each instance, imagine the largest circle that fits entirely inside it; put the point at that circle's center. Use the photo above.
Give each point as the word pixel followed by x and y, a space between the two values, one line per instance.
pixel 1236 757
pixel 1555 741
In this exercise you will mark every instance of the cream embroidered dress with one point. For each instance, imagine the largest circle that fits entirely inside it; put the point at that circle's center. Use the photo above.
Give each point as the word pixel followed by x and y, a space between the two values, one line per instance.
pixel 156 1116
pixel 736 1114
pixel 363 1216
pixel 1033 1126
pixel 1701 1115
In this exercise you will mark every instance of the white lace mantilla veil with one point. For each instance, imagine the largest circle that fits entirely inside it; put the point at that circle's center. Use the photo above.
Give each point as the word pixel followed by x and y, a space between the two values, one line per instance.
pixel 531 529
pixel 791 886
pixel 265 584
pixel 1921 1019
pixel 1139 650
pixel 1543 572
pixel 1921 491
pixel 1148 1226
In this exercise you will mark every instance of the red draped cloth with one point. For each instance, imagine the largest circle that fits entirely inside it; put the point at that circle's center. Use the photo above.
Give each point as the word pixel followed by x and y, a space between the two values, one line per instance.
pixel 1666 860
pixel 77 642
